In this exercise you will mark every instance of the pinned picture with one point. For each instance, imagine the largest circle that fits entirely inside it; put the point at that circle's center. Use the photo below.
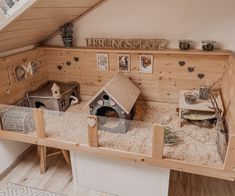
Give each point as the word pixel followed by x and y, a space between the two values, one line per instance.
pixel 124 63
pixel 146 64
pixel 102 60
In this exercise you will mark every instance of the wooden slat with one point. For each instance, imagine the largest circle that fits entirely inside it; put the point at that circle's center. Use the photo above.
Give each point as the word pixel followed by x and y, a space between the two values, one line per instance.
pixel 158 142
pixel 37 23
pixel 38 115
pixel 229 162
pixel 65 3
pixel 26 33
pixel 40 13
pixel 47 17
pixel 93 131
pixel 43 159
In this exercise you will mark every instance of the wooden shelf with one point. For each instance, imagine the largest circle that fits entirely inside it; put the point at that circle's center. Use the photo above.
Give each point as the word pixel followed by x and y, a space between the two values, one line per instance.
pixel 166 51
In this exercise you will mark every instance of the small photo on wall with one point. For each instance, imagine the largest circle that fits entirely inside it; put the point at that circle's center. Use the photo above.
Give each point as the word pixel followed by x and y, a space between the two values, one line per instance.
pixel 146 64
pixel 124 63
pixel 102 60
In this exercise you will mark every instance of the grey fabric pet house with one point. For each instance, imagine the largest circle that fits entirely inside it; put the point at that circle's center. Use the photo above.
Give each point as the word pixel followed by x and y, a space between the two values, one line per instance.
pixel 115 100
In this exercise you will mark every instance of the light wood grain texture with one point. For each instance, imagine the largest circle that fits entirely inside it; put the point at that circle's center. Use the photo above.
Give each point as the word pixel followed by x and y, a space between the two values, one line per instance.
pixel 49 15
pixel 229 163
pixel 93 131
pixel 184 184
pixel 10 89
pixel 216 172
pixel 122 91
pixel 38 115
pixel 158 142
pixel 43 159
pixel 66 156
pixel 163 85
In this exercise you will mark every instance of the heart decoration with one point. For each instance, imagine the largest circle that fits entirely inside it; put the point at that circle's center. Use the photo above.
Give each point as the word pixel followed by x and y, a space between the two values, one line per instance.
pixel 91 122
pixel 201 76
pixel 112 103
pixel 182 63
pixel 68 63
pixel 191 69
pixel 59 67
pixel 76 59
pixel 100 102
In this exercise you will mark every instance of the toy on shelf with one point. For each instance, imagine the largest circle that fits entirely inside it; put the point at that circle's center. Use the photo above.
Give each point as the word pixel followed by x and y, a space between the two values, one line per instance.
pixel 55 96
pixel 115 100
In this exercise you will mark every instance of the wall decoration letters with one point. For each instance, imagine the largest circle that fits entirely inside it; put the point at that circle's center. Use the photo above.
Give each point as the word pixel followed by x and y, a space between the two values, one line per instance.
pixel 117 43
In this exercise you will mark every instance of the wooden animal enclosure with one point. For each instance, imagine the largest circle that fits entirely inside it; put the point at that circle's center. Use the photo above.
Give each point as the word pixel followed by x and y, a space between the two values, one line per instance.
pixel 173 70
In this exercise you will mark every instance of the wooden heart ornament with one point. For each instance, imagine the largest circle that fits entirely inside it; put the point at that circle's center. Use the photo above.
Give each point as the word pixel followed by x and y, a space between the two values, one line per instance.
pixel 91 122
pixel 201 76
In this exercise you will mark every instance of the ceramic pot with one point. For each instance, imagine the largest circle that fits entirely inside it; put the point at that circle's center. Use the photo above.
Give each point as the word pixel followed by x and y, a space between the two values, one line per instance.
pixel 208 45
pixel 185 44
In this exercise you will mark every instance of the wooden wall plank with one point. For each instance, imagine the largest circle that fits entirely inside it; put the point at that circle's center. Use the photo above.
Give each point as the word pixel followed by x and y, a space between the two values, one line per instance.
pixel 39 13
pixel 36 24
pixel 47 17
pixel 18 89
pixel 64 3
pixel 163 85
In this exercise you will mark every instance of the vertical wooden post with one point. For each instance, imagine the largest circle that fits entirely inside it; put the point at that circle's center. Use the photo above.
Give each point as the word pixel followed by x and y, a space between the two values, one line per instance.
pixel 92 122
pixel 158 142
pixel 40 129
pixel 39 122
pixel 66 156
pixel 229 162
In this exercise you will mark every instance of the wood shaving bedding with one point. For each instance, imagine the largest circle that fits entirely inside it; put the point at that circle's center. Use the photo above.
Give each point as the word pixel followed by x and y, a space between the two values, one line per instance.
pixel 198 145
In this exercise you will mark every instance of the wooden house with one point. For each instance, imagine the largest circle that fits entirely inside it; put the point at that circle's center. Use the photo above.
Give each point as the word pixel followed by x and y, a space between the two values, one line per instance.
pixel 115 100
pixel 167 85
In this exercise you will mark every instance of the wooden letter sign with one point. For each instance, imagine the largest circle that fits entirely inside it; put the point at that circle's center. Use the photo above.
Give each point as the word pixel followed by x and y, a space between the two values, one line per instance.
pixel 149 44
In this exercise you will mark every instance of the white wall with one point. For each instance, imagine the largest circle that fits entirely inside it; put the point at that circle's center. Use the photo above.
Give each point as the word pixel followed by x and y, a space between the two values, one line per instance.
pixel 9 151
pixel 170 19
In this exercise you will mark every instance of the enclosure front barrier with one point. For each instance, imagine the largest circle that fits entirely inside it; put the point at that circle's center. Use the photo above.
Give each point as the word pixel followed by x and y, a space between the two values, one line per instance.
pixel 143 143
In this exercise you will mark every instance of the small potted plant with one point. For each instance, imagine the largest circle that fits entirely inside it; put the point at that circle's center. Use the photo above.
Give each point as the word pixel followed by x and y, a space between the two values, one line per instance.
pixel 66 33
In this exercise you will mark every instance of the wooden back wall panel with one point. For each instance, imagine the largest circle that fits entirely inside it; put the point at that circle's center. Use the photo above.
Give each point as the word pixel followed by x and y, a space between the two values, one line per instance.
pixel 163 85
pixel 10 89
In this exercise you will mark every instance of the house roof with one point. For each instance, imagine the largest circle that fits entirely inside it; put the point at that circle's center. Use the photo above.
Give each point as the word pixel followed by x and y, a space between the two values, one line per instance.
pixel 122 90
pixel 43 20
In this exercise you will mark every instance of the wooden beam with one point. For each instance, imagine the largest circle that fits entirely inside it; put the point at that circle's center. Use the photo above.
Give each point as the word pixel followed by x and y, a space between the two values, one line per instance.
pixel 43 158
pixel 158 142
pixel 93 131
pixel 39 122
pixel 229 162
pixel 66 156
pixel 40 129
